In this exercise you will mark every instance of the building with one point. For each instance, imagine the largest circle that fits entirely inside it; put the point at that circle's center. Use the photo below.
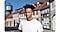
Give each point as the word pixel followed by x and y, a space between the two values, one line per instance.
pixel 8 17
pixel 52 14
pixel 44 12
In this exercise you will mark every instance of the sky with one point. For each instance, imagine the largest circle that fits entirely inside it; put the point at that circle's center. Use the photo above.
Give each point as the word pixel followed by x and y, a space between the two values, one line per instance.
pixel 19 3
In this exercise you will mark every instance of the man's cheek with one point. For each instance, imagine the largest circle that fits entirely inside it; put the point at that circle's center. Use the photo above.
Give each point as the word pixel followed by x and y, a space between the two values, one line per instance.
pixel 28 15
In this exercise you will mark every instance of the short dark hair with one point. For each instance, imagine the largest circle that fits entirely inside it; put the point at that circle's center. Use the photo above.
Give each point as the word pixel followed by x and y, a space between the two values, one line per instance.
pixel 29 6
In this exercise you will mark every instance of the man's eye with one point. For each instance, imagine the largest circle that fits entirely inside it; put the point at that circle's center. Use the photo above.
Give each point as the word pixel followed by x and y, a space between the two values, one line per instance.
pixel 28 12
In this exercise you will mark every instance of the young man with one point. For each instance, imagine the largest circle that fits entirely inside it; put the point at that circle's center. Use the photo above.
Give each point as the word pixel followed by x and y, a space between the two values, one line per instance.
pixel 30 25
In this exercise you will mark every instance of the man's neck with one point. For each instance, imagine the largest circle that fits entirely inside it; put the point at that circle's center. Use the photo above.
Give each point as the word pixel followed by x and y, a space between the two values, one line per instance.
pixel 29 19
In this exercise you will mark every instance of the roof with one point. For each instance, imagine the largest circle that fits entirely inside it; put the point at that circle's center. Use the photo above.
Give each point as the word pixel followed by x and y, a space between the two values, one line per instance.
pixel 45 7
pixel 37 8
pixel 9 16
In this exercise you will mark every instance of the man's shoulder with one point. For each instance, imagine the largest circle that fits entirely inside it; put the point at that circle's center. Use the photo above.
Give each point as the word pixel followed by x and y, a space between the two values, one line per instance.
pixel 36 21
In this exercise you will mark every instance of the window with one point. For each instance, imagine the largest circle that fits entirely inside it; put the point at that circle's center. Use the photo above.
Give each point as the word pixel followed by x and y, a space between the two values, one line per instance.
pixel 36 12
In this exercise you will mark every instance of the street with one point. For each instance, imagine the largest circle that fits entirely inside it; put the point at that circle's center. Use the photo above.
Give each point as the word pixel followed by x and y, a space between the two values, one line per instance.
pixel 44 31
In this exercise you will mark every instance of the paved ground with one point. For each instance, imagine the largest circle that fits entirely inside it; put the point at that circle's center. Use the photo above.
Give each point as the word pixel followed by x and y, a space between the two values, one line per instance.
pixel 48 30
pixel 44 31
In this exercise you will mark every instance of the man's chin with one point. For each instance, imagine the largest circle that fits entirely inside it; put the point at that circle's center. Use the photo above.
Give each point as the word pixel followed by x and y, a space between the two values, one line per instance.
pixel 27 17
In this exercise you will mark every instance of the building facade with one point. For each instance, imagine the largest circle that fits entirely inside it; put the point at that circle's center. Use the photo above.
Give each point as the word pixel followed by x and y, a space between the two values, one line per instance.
pixel 44 12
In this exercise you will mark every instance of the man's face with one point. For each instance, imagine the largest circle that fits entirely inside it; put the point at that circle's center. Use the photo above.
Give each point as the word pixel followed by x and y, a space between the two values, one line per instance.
pixel 28 13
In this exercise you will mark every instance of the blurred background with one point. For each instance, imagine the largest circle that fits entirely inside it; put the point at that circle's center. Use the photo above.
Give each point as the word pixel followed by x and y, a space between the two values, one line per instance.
pixel 44 12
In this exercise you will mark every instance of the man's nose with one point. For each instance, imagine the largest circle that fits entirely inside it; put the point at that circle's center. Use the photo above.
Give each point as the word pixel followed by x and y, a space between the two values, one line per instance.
pixel 26 13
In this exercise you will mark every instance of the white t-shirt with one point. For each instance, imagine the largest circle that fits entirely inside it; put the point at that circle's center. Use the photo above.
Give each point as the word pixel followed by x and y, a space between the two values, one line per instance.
pixel 30 26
